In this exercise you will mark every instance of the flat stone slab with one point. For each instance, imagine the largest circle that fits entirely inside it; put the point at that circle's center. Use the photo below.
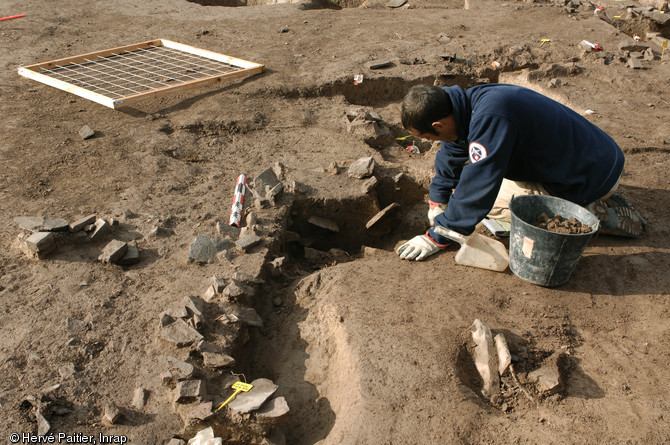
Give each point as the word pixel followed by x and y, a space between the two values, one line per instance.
pixel 113 251
pixel 180 334
pixel 201 411
pixel 41 223
pixel 249 401
pixel 180 370
pixel 81 223
pixel 41 242
pixel 324 223
pixel 189 390
pixel 396 3
pixel 379 64
pixel 248 315
pixel 381 214
pixel 247 242
pixel 100 228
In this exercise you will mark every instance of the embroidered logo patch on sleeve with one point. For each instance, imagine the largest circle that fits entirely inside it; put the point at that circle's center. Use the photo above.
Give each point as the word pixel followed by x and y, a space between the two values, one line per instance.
pixel 477 152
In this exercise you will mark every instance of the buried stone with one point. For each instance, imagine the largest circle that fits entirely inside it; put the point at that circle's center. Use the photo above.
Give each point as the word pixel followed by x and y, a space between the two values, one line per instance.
pixel 249 401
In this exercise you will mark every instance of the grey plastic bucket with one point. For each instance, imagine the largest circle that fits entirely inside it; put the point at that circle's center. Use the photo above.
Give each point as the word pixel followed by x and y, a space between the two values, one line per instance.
pixel 540 256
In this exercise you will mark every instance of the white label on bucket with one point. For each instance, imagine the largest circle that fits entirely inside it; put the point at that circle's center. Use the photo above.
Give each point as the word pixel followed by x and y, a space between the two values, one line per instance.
pixel 527 247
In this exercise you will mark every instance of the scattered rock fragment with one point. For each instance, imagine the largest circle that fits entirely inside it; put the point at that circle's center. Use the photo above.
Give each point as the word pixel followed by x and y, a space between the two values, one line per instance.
pixel 43 425
pixel 139 398
pixel 218 283
pixel 180 334
pixel 548 377
pixel 245 243
pixel 248 315
pixel 201 411
pixel 75 326
pixel 636 64
pixel 485 358
pixel 179 369
pixel 86 132
pixel 100 228
pixel 41 243
pixel 66 371
pixel 194 305
pixel 113 251
pixel 81 223
pixel 112 414
pixel 132 256
pixel 249 401
pixel 217 360
pixel 395 3
pixel 176 441
pixel 233 290
pixel 443 38
pixel 210 293
pixel 504 356
pixel 379 64
pixel 369 185
pixel 188 391
pixel 362 168
pixel 276 266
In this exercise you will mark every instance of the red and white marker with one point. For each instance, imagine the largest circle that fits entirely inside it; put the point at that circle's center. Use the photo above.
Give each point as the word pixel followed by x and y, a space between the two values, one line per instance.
pixel 238 201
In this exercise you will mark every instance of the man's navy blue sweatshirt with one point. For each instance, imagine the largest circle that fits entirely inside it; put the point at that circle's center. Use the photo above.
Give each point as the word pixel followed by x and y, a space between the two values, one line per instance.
pixel 506 131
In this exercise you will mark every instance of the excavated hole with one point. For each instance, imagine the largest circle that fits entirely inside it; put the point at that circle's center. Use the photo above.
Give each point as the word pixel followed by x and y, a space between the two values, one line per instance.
pixel 351 216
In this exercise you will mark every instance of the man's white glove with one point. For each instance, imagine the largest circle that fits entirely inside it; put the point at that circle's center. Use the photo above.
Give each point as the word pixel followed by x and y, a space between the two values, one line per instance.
pixel 419 248
pixel 434 209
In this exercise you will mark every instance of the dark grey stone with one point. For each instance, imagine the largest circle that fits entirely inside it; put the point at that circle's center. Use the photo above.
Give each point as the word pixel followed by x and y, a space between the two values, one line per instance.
pixel 41 223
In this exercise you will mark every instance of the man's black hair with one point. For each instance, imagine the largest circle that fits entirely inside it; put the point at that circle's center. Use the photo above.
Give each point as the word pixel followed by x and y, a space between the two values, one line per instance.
pixel 423 105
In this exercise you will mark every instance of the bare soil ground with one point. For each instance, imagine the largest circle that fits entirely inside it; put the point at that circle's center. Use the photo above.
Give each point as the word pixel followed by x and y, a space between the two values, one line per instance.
pixel 364 347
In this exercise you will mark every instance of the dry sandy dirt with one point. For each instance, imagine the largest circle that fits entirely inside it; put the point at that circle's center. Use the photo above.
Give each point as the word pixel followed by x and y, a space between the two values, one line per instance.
pixel 364 347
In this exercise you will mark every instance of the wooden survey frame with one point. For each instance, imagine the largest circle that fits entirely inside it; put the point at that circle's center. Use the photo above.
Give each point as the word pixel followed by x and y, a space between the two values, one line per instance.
pixel 246 69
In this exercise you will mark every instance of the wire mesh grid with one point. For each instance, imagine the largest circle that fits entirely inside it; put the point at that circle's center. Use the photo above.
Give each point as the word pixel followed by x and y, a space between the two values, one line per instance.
pixel 138 71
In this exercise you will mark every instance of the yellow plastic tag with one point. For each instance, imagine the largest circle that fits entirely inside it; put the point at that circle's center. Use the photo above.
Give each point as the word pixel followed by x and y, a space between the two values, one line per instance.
pixel 242 386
